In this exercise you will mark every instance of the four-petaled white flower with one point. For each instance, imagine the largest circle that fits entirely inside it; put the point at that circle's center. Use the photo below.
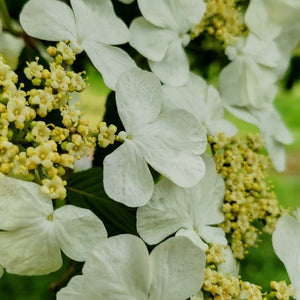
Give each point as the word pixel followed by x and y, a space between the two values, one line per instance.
pixel 121 268
pixel 274 132
pixel 187 211
pixel 249 80
pixel 202 100
pixel 33 234
pixel 286 245
pixel 170 142
pixel 90 25
pixel 162 33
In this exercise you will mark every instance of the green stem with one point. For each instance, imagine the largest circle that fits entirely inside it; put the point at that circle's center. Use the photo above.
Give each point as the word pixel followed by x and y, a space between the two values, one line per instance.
pixel 5 16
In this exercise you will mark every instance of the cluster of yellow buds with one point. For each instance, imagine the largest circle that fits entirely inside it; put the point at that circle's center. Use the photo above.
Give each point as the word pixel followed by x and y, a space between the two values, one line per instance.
pixel 248 197
pixel 31 147
pixel 281 290
pixel 219 284
pixel 224 20
pixel 106 135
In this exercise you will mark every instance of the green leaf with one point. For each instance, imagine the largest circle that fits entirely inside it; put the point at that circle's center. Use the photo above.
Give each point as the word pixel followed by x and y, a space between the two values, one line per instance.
pixel 85 189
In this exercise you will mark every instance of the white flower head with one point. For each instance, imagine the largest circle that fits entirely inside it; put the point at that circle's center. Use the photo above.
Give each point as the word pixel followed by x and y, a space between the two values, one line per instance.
pixel 286 237
pixel 170 142
pixel 249 80
pixel 121 268
pixel 187 211
pixel 274 132
pixel 161 34
pixel 34 234
pixel 90 25
pixel 202 100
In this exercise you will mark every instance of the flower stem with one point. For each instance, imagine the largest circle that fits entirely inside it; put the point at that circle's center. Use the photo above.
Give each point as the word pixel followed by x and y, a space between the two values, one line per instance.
pixel 5 16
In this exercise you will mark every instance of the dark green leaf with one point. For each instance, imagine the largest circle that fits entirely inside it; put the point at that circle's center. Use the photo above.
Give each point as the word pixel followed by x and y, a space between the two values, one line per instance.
pixel 85 189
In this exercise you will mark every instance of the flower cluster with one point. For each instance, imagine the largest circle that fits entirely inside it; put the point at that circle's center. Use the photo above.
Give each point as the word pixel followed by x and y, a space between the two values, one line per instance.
pixel 223 19
pixel 248 197
pixel 197 209
pixel 33 148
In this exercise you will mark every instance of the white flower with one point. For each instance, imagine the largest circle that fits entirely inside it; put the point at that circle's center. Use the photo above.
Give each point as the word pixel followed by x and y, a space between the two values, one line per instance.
pixel 170 142
pixel 286 245
pixel 90 25
pixel 230 265
pixel 162 33
pixel 249 80
pixel 187 211
pixel 276 20
pixel 202 100
pixel 10 47
pixel 34 234
pixel 273 130
pixel 121 268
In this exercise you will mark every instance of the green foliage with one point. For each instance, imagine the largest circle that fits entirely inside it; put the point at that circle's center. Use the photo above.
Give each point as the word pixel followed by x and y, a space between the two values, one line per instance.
pixel 85 189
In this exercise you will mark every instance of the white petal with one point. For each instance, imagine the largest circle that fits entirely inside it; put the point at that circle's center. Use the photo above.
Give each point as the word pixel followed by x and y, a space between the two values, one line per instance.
pixel 245 83
pixel 78 231
pixel 213 235
pixel 151 41
pixel 121 264
pixel 243 114
pixel 221 125
pixel 258 21
pixel 207 196
pixel 262 51
pixel 287 247
pixel 49 20
pixel 78 288
pixel 127 178
pixel 230 265
pixel 110 61
pixel 180 15
pixel 190 97
pixel 11 47
pixel 194 237
pixel 22 203
pixel 276 152
pixel 173 69
pixel 172 208
pixel 96 21
pixel 30 251
pixel 166 212
pixel 138 97
pixel 172 145
pixel 177 269
pixel 200 99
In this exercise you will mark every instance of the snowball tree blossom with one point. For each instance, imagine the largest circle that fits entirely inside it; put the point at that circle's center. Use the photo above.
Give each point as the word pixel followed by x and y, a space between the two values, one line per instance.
pixel 121 268
pixel 90 25
pixel 249 80
pixel 202 100
pixel 170 142
pixel 287 247
pixel 33 234
pixel 274 132
pixel 187 211
pixel 161 34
